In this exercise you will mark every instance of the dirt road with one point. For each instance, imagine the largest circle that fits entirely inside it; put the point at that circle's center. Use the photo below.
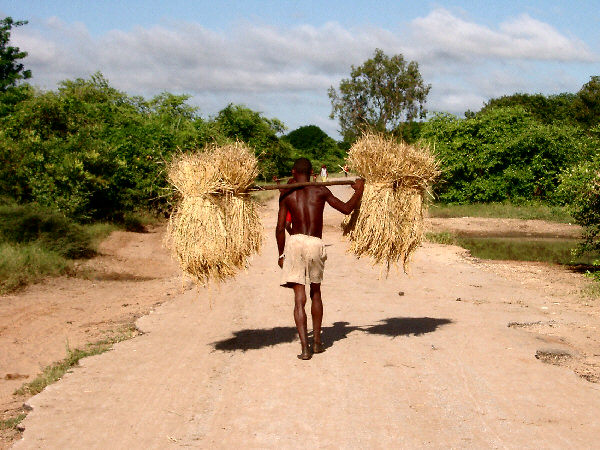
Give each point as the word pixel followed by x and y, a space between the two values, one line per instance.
pixel 426 360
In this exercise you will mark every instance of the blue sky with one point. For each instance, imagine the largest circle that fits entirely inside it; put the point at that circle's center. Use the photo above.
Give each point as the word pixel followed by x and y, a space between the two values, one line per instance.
pixel 279 57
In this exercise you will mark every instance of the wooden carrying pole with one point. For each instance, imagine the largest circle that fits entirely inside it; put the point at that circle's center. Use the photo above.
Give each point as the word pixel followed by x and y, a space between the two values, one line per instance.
pixel 269 187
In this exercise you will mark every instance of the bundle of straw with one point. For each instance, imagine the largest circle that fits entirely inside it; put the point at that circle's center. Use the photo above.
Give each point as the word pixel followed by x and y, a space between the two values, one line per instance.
pixel 388 224
pixel 215 227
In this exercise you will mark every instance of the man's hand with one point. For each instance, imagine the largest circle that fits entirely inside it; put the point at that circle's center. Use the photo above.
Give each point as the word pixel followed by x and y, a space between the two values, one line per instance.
pixel 280 262
pixel 359 184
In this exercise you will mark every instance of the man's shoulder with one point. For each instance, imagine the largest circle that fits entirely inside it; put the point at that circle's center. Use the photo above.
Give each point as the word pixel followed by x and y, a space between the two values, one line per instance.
pixel 321 191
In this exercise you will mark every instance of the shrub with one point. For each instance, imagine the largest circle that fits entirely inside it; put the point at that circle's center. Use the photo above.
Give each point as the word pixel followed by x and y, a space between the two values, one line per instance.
pixel 580 190
pixel 21 264
pixel 23 224
pixel 502 154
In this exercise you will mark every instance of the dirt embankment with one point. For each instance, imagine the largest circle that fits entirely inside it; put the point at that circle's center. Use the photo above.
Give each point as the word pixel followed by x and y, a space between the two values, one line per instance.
pixel 472 353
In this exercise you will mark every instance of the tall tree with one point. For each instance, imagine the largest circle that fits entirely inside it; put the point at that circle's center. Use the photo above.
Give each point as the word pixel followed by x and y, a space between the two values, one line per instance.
pixel 10 69
pixel 587 103
pixel 380 94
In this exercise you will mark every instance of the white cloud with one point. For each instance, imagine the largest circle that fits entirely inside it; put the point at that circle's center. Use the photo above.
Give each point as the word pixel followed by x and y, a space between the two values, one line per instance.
pixel 275 69
pixel 443 35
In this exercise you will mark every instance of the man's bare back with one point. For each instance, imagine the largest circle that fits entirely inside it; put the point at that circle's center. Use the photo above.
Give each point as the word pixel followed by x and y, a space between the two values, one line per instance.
pixel 306 205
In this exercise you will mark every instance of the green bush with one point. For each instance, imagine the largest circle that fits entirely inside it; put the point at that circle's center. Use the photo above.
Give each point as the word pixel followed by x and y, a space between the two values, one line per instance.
pixel 23 224
pixel 133 222
pixel 502 154
pixel 580 191
pixel 22 264
pixel 313 143
pixel 36 242
pixel 95 153
pixel 237 122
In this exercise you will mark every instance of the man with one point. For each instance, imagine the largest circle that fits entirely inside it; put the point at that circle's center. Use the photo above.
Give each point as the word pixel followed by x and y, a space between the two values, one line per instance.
pixel 303 256
pixel 323 172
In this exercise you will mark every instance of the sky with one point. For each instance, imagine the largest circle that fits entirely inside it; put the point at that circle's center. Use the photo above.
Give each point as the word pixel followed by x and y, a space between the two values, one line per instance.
pixel 280 57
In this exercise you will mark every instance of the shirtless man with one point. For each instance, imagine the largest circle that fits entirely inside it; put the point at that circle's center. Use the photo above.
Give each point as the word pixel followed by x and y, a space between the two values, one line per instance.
pixel 303 257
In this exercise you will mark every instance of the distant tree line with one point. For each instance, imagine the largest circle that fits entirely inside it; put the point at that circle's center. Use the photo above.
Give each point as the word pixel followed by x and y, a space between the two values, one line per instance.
pixel 95 153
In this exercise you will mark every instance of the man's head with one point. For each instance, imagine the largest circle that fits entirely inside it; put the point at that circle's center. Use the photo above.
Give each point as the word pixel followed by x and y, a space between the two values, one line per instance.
pixel 302 166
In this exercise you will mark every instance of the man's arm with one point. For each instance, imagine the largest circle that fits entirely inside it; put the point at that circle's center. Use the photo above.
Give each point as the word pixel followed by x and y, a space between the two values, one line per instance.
pixel 280 230
pixel 347 207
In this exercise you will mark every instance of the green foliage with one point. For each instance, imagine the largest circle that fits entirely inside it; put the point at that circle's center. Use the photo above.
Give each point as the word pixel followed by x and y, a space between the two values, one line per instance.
pixel 556 251
pixel 587 103
pixel 54 372
pixel 546 109
pixel 29 223
pixel 22 264
pixel 133 222
pixel 237 122
pixel 442 237
pixel 409 132
pixel 502 154
pixel 89 150
pixel 11 71
pixel 380 94
pixel 313 143
pixel 13 96
pixel 11 424
pixel 526 211
pixel 36 242
pixel 95 153
pixel 580 109
pixel 580 190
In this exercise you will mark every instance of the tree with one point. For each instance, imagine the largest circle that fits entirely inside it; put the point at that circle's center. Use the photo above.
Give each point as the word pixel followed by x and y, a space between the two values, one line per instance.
pixel 312 140
pixel 587 103
pixel 380 94
pixel 546 109
pixel 260 133
pixel 503 154
pixel 313 143
pixel 10 70
pixel 580 191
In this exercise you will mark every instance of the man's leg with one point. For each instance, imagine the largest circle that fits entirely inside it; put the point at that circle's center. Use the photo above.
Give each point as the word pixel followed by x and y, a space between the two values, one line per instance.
pixel 300 318
pixel 316 311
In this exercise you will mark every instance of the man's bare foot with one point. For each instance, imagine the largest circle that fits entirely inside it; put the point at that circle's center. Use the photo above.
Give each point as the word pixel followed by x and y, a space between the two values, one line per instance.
pixel 318 347
pixel 305 355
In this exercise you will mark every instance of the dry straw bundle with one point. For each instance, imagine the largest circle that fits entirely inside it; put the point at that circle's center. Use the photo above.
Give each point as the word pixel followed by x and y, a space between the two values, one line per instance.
pixel 388 225
pixel 215 227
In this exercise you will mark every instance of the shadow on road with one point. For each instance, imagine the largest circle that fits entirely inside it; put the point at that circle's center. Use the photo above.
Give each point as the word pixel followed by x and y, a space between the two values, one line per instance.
pixel 254 339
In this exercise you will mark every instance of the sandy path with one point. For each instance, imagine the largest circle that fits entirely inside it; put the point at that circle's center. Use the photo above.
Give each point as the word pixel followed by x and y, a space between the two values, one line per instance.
pixel 412 370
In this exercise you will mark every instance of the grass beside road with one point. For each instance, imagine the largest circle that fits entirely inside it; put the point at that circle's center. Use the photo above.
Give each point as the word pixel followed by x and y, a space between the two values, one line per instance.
pixel 37 242
pixel 12 422
pixel 557 251
pixel 502 210
pixel 9 423
pixel 54 372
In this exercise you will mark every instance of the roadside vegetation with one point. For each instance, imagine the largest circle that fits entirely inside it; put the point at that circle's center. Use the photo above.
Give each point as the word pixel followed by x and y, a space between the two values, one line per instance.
pixel 527 211
pixel 54 372
pixel 37 241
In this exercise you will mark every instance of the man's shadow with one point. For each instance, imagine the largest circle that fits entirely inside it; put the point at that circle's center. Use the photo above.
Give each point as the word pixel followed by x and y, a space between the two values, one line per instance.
pixel 253 339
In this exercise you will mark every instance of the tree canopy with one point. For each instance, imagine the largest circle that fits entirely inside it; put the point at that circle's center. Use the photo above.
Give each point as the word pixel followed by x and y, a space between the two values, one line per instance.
pixel 11 70
pixel 587 103
pixel 380 94
pixel 313 143
pixel 547 109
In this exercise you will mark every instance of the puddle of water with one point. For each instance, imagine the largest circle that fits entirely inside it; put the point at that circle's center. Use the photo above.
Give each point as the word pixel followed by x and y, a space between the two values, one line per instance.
pixel 558 251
